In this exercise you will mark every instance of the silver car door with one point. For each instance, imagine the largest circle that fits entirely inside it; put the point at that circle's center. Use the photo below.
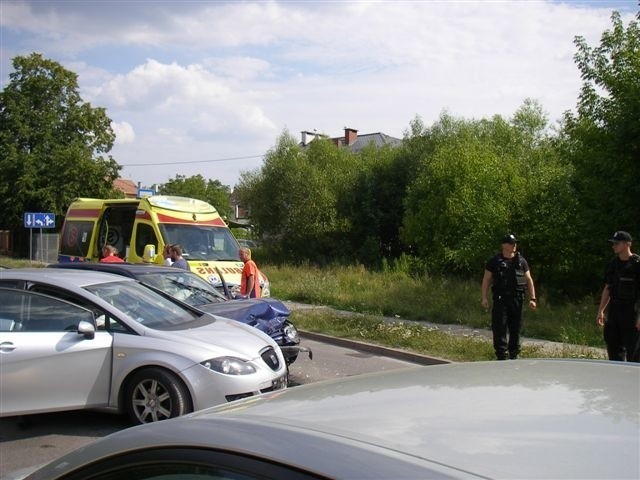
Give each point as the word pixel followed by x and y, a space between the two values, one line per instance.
pixel 45 364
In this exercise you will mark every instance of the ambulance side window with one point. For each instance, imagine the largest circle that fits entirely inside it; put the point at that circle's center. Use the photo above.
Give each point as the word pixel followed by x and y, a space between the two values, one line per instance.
pixel 76 238
pixel 145 236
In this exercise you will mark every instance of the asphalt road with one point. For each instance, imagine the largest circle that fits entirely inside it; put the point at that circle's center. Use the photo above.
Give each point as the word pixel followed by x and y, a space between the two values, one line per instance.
pixel 37 439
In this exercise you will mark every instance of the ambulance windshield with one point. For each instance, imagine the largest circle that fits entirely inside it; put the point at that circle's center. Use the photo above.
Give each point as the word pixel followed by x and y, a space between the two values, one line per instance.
pixel 202 242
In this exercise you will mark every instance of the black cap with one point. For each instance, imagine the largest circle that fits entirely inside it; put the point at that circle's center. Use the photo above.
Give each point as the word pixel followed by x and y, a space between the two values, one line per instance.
pixel 621 236
pixel 510 238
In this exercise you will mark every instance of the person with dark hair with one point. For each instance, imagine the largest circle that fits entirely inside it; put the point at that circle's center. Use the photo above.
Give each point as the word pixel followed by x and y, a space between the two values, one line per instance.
pixel 166 254
pixel 509 277
pixel 178 261
pixel 621 298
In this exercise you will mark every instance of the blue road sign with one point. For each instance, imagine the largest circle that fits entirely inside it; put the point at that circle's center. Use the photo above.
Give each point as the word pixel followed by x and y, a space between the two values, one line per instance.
pixel 39 220
pixel 145 192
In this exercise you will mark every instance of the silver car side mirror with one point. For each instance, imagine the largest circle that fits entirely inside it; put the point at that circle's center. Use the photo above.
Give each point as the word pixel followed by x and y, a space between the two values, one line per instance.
pixel 87 329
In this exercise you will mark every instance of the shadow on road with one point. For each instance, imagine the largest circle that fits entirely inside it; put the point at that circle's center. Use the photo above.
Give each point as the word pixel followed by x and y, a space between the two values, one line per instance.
pixel 78 422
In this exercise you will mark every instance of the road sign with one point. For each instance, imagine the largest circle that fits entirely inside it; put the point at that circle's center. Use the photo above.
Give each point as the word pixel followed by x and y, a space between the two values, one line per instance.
pixel 39 220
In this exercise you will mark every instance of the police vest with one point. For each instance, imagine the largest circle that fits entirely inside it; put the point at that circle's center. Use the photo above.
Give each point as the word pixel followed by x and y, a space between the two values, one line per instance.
pixel 625 278
pixel 509 277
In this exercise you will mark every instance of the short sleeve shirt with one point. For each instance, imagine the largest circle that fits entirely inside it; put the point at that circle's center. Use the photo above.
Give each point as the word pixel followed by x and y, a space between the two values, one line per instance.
pixel 181 263
pixel 615 265
pixel 250 268
pixel 492 264
pixel 616 268
pixel 111 259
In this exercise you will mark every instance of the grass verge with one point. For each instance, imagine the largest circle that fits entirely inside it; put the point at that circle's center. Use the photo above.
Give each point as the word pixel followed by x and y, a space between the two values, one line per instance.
pixel 416 338
pixel 431 299
pixel 9 262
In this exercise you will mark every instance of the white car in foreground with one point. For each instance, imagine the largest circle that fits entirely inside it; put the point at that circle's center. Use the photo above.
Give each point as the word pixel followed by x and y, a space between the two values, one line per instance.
pixel 521 419
pixel 77 339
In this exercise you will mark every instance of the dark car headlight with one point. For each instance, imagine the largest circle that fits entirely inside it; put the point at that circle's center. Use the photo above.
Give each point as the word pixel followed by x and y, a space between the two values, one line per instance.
pixel 230 366
pixel 291 332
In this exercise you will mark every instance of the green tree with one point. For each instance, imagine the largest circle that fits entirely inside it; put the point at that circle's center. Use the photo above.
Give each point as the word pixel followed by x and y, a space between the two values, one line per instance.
pixel 602 138
pixel 373 204
pixel 53 146
pixel 182 186
pixel 210 191
pixel 293 198
pixel 548 217
pixel 480 179
pixel 220 196
pixel 462 195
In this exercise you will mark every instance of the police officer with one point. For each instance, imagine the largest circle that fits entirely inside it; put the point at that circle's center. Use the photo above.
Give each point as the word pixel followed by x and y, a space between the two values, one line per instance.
pixel 509 276
pixel 621 294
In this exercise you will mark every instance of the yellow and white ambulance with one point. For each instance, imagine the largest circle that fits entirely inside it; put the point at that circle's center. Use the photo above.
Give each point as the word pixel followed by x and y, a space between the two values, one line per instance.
pixel 140 228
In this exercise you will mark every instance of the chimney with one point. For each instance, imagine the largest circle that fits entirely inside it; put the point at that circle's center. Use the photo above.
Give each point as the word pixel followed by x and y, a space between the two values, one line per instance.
pixel 350 136
pixel 304 138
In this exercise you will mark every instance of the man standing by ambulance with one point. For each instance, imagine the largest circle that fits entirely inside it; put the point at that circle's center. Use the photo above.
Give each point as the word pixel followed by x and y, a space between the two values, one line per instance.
pixel 250 281
pixel 621 294
pixel 509 277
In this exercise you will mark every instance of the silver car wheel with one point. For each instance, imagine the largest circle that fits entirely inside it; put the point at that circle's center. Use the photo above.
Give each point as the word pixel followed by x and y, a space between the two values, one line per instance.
pixel 155 395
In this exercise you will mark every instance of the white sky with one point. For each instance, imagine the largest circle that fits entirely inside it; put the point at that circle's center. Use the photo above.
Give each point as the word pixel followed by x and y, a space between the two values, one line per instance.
pixel 216 83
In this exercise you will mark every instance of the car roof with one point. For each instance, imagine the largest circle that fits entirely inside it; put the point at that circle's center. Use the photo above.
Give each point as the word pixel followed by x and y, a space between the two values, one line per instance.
pixel 59 276
pixel 128 269
pixel 536 419
pixel 512 419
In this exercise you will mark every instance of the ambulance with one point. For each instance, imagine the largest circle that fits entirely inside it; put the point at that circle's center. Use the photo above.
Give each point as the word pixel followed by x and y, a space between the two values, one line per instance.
pixel 140 228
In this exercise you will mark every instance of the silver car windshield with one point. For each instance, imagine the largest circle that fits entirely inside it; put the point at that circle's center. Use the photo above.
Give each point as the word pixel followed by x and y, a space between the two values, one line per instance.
pixel 185 286
pixel 143 305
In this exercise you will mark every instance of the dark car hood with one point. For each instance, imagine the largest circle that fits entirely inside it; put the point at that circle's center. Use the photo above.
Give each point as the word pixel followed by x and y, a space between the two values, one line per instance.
pixel 252 311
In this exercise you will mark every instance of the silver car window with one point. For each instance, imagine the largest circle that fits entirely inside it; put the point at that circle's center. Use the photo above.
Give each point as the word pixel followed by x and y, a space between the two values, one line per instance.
pixel 22 311
pixel 104 321
pixel 143 304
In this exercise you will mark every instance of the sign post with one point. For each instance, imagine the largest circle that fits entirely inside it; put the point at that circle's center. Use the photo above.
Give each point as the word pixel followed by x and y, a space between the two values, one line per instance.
pixel 38 220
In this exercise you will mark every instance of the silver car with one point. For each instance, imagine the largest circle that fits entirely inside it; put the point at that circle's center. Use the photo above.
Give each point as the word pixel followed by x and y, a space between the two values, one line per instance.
pixel 524 419
pixel 76 339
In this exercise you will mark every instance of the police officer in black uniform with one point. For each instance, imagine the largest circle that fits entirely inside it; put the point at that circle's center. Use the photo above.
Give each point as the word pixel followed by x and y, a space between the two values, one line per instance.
pixel 509 277
pixel 621 294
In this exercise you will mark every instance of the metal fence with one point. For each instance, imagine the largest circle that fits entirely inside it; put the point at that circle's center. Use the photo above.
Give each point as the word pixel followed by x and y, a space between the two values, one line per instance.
pixel 44 247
